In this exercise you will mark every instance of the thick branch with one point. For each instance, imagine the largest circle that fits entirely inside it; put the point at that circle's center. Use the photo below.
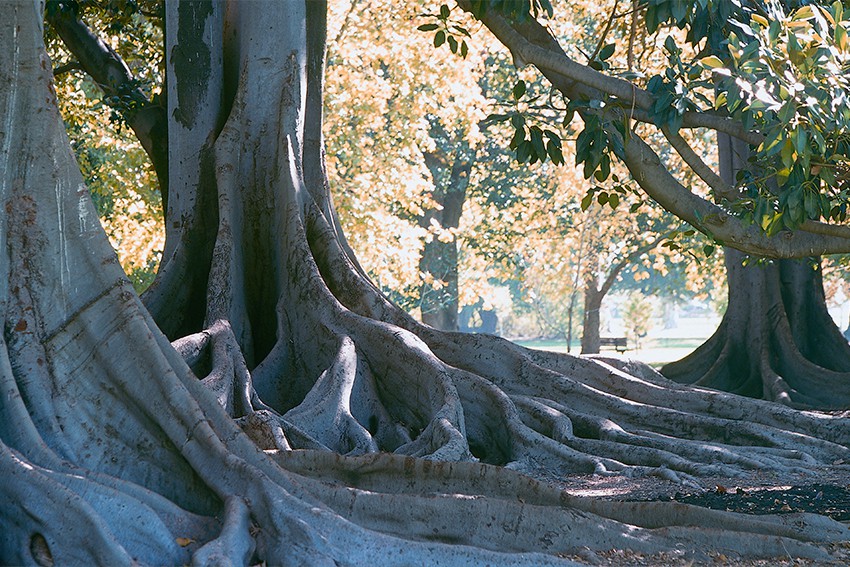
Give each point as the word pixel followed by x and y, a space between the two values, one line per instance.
pixel 147 120
pixel 833 230
pixel 716 222
pixel 534 44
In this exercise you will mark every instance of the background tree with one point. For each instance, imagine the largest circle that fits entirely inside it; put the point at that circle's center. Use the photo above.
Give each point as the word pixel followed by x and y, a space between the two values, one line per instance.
pixel 637 312
pixel 403 136
pixel 120 447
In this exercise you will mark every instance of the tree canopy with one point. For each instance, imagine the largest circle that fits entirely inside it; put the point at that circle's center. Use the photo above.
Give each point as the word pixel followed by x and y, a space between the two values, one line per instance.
pixel 763 74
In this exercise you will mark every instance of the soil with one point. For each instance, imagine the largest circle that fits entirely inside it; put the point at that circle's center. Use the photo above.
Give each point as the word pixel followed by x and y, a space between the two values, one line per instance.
pixel 826 492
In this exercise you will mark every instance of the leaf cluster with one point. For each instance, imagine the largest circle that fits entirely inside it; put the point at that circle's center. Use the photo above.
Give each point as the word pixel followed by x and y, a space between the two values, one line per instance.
pixel 531 142
pixel 447 31
pixel 779 70
pixel 612 195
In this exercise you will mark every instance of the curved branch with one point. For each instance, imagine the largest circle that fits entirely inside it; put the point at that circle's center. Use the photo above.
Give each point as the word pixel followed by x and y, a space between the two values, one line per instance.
pixel 148 120
pixel 720 188
pixel 724 190
pixel 534 44
pixel 716 222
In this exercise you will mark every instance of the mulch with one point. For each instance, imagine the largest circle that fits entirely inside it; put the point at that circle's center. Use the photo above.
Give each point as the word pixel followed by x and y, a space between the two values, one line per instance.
pixel 825 499
pixel 824 491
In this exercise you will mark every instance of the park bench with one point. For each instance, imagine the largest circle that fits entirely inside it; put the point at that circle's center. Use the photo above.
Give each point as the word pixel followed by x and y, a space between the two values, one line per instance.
pixel 620 344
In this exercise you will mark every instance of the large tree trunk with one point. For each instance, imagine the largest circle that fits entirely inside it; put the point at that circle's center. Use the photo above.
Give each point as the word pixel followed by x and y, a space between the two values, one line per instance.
pixel 777 340
pixel 115 451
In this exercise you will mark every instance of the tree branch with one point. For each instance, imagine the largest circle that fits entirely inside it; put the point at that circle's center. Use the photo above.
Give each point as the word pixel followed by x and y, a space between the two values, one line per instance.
pixel 601 43
pixel 534 44
pixel 532 41
pixel 147 120
pixel 817 227
pixel 67 68
pixel 628 260
pixel 630 54
pixel 713 180
pixel 716 222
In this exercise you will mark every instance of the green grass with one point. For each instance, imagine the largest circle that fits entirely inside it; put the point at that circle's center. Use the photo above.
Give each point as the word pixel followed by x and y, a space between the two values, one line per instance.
pixel 673 343
pixel 655 352
pixel 560 345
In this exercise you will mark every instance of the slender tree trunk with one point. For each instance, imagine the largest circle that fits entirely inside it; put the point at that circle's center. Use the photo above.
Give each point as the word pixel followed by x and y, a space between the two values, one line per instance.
pixel 576 278
pixel 590 340
pixel 439 300
pixel 118 447
pixel 594 293
pixel 777 340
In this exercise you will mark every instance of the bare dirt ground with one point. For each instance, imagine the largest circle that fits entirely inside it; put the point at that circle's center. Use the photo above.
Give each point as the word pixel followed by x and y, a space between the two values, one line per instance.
pixel 825 492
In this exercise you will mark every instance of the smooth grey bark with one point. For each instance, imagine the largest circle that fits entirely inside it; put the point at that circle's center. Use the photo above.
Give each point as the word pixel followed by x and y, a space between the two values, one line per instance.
pixel 777 340
pixel 118 447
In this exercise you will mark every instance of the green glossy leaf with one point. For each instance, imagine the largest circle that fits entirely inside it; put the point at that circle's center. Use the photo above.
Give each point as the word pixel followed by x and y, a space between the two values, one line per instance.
pixel 537 142
pixel 555 153
pixel 519 89
pixel 523 151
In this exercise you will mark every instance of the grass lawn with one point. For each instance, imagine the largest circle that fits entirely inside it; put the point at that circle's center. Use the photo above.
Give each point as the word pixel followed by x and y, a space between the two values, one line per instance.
pixel 655 352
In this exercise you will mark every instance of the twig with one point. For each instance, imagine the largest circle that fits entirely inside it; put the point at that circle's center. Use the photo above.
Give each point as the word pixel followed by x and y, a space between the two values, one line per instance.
pixel 608 24
pixel 67 68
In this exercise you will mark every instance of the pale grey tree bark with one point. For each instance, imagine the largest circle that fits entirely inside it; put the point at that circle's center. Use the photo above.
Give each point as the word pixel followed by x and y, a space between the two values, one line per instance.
pixel 283 422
